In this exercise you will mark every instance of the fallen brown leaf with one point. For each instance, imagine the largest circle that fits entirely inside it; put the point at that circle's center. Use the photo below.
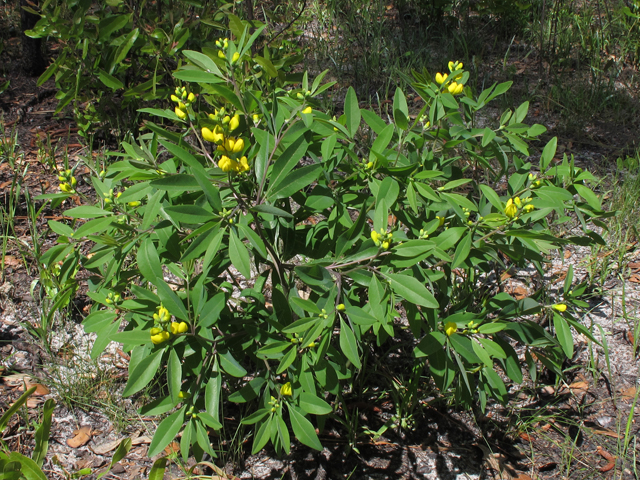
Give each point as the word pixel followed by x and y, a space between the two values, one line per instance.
pixel 81 437
pixel 34 402
pixel 173 447
pixel 629 336
pixel 575 388
pixel 604 454
pixel 607 467
pixel 526 437
pixel 606 432
pixel 10 260
pixel 140 440
pixel 106 447
pixel 635 278
pixel 517 292
pixel 628 393
pixel 567 254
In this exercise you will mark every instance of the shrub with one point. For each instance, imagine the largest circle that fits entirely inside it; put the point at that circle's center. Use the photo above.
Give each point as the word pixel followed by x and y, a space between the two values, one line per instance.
pixel 254 250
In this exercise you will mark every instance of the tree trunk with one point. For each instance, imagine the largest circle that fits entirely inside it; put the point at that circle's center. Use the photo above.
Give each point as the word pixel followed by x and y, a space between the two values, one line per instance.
pixel 33 61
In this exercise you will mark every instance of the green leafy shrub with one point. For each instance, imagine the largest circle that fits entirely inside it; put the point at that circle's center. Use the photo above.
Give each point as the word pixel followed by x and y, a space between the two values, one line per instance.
pixel 255 249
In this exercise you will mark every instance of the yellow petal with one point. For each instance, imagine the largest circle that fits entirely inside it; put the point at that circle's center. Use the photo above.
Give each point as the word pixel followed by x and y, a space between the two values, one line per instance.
pixel 450 328
pixel 307 110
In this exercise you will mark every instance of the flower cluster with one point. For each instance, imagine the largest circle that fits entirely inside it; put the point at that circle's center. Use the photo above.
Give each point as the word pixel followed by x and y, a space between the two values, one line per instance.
pixel 183 100
pixel 382 239
pixel 228 146
pixel 67 182
pixel 165 328
pixel 454 88
pixel 515 204
pixel 223 44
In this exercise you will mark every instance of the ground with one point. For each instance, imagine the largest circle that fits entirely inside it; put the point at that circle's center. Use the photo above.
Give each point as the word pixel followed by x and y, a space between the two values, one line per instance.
pixel 582 426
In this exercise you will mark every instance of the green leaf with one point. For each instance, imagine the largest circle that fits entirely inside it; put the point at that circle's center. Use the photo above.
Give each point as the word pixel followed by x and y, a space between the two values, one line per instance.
pixel 157 470
pixel 189 214
pixel 271 210
pixel 358 316
pixel 400 109
pixel 86 211
pixel 261 437
pixel 462 251
pixel 239 255
pixel 412 290
pixel 203 61
pixel 209 420
pixel 111 24
pixel 231 365
pixel 586 193
pixel 174 375
pixel 123 50
pixel 171 301
pixel 548 153
pixel 119 454
pixel 563 333
pixel 288 159
pixel 303 429
pixel 4 420
pixel 149 262
pixel 197 76
pixel 352 111
pixel 142 374
pixel 349 347
pixel 294 181
pixel 42 433
pixel 167 432
pixel 28 468
pixel 314 405
pixel 212 394
pixel 110 81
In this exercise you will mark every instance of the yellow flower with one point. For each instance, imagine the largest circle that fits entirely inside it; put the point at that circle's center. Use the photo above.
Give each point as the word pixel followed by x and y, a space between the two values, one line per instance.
pixel 162 316
pixel 214 137
pixel 517 201
pixel 450 328
pixel 455 88
pixel 455 66
pixel 285 390
pixel 175 99
pixel 191 97
pixel 256 117
pixel 234 122
pixel 560 307
pixel 243 165
pixel 511 209
pixel 441 78
pixel 221 55
pixel 134 204
pixel 375 236
pixel 440 221
pixel 177 328
pixel 385 245
pixel 238 146
pixel 226 164
pixel 307 110
pixel 528 208
pixel 160 337
pixel 235 57
pixel 66 188
pixel 180 113
pixel 341 307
